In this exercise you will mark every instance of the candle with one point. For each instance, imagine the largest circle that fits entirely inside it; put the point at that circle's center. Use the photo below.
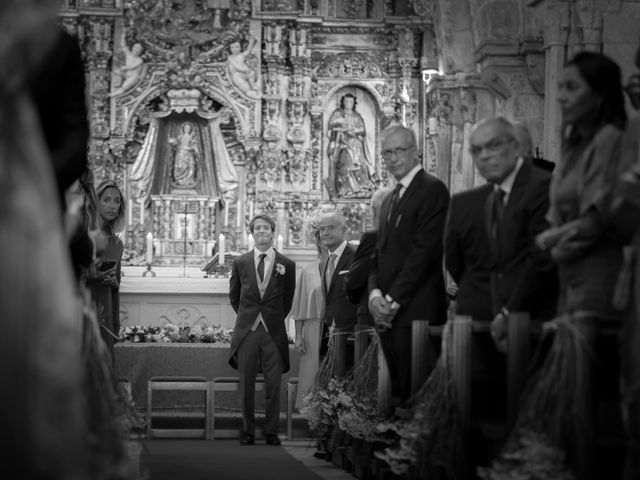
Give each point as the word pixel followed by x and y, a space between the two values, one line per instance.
pixel 142 211
pixel 251 242
pixel 130 212
pixel 250 208
pixel 149 252
pixel 433 124
pixel 303 37
pixel 292 36
pixel 278 33
pixel 280 243
pixel 221 249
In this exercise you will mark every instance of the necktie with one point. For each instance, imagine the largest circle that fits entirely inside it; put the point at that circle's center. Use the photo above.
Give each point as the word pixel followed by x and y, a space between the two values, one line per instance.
pixel 331 266
pixel 395 196
pixel 261 266
pixel 498 210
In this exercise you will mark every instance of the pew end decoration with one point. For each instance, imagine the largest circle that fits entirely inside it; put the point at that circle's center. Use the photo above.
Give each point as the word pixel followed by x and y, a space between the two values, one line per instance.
pixel 430 438
pixel 552 409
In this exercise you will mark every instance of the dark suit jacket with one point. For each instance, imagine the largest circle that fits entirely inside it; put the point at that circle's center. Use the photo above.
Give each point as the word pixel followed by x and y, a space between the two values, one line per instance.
pixel 467 252
pixel 523 277
pixel 274 305
pixel 407 263
pixel 338 309
pixel 356 281
pixel 58 91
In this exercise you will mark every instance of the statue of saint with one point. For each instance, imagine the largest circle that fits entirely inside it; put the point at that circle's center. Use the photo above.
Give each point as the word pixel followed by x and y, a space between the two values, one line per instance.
pixel 132 70
pixel 185 159
pixel 351 162
pixel 242 74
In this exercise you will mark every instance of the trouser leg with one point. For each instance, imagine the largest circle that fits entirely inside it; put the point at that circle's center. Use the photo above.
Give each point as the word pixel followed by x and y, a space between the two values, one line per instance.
pixel 248 358
pixel 272 371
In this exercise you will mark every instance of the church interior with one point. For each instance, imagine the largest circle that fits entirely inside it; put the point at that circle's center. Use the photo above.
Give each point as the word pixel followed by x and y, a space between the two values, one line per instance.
pixel 206 113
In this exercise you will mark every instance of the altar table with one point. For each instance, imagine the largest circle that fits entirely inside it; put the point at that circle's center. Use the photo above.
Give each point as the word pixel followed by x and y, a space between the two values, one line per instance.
pixel 138 362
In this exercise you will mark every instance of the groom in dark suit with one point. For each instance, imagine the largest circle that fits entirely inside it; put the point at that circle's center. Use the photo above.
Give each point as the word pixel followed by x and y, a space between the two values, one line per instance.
pixel 406 281
pixel 261 293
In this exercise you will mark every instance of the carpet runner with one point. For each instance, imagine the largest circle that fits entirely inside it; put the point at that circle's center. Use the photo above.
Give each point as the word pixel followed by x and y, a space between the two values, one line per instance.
pixel 220 460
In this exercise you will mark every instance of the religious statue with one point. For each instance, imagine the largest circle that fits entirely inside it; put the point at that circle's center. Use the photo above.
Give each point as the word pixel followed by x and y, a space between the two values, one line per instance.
pixel 351 162
pixel 132 70
pixel 242 73
pixel 185 159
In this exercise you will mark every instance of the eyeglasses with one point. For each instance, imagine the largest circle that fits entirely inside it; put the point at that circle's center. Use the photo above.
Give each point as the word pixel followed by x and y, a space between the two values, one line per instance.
pixel 328 228
pixel 491 146
pixel 387 154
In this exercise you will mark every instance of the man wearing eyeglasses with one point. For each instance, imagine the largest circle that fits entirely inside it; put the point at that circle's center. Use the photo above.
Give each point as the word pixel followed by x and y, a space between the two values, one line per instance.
pixel 522 277
pixel 406 281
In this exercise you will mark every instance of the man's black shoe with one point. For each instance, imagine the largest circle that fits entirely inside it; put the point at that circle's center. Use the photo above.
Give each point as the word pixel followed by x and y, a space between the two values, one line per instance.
pixel 272 440
pixel 247 439
pixel 319 454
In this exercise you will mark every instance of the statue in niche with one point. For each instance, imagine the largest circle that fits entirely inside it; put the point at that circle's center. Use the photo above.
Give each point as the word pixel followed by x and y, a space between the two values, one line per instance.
pixel 132 70
pixel 242 72
pixel 185 159
pixel 352 164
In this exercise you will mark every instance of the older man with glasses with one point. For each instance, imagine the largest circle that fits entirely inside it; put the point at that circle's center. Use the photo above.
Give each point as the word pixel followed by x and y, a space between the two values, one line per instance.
pixel 406 282
pixel 523 279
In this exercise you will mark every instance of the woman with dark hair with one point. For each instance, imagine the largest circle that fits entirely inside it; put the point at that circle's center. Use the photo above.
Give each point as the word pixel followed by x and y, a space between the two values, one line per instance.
pixel 104 279
pixel 588 253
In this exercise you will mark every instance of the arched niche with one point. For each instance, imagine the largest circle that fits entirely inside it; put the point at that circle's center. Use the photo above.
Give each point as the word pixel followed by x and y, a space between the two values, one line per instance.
pixel 367 112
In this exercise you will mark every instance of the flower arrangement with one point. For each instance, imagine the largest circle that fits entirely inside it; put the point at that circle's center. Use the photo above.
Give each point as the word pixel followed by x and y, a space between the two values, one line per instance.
pixel 280 270
pixel 360 418
pixel 321 406
pixel 533 456
pixel 171 333
pixel 401 433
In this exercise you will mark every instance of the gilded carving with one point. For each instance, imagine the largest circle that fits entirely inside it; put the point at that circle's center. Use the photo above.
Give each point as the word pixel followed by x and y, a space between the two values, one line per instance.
pixel 351 65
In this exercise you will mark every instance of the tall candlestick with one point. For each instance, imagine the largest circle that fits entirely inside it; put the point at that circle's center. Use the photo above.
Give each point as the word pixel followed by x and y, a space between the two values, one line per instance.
pixel 280 243
pixel 250 208
pixel 130 212
pixel 238 215
pixel 142 211
pixel 149 252
pixel 221 249
pixel 251 242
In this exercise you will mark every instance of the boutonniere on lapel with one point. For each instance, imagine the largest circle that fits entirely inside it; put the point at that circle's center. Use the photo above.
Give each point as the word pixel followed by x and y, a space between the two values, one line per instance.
pixel 280 270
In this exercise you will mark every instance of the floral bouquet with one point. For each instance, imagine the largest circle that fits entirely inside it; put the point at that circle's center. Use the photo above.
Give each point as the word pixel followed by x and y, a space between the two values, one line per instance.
pixel 358 414
pixel 321 406
pixel 533 456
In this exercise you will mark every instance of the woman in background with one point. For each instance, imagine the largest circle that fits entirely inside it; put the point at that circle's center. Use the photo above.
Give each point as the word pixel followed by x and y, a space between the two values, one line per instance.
pixel 582 243
pixel 104 279
pixel 308 312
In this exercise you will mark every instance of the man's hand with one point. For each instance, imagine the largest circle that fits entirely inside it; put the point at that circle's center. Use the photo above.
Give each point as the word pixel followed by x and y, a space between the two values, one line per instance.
pixel 499 332
pixel 299 344
pixel 382 312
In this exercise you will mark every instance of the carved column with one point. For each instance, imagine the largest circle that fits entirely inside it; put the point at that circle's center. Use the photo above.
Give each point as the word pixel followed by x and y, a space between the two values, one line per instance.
pixel 452 108
pixel 590 20
pixel 555 33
